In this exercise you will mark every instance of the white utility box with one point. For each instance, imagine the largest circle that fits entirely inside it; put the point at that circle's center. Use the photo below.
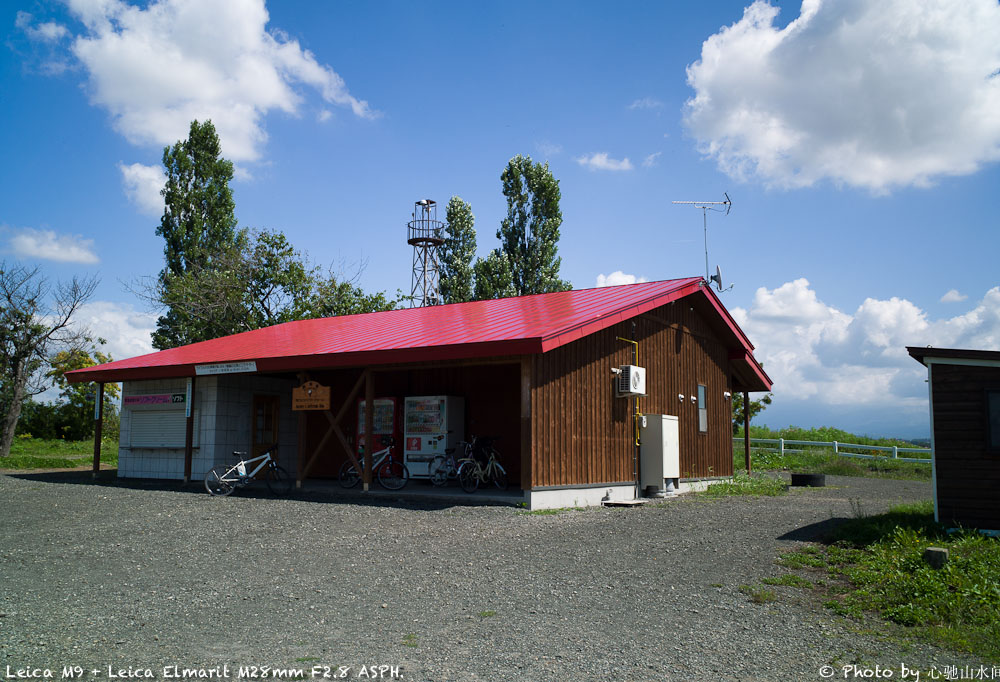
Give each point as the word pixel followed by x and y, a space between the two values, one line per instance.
pixel 659 454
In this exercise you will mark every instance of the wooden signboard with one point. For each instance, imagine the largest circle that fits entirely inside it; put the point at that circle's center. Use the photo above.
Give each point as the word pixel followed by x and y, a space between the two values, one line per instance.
pixel 311 396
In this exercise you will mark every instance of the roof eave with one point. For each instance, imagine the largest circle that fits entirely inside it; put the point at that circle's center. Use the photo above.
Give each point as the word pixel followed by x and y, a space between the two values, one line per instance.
pixel 322 361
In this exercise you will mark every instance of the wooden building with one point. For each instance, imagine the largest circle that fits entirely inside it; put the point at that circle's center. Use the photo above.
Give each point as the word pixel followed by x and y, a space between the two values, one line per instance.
pixel 964 388
pixel 537 371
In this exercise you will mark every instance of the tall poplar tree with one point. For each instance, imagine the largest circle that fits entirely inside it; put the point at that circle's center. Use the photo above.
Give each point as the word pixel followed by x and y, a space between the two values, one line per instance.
pixel 530 232
pixel 494 277
pixel 457 252
pixel 198 223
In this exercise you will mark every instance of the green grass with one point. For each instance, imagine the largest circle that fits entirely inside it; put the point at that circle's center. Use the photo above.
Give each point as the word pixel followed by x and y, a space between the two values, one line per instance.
pixel 549 512
pixel 741 484
pixel 822 460
pixel 410 640
pixel 33 453
pixel 487 614
pixel 878 561
pixel 758 595
pixel 789 580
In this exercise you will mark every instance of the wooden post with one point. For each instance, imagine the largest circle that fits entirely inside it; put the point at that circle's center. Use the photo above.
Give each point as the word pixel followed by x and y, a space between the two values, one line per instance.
pixel 301 449
pixel 746 428
pixel 98 426
pixel 370 446
pixel 526 472
pixel 189 429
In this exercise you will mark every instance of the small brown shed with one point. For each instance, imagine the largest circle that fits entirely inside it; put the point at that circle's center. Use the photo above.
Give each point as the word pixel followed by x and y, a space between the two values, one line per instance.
pixel 964 390
pixel 541 372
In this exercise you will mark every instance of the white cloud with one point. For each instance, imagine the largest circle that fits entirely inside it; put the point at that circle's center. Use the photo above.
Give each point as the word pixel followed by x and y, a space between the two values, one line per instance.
pixel 870 94
pixel 143 185
pixel 48 245
pixel 832 359
pixel 155 69
pixel 953 296
pixel 651 160
pixel 126 330
pixel 618 277
pixel 602 162
pixel 324 115
pixel 646 103
pixel 48 31
pixel 548 148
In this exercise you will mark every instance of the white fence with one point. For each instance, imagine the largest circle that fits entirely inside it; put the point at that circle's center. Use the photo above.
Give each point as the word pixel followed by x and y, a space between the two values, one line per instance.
pixel 838 448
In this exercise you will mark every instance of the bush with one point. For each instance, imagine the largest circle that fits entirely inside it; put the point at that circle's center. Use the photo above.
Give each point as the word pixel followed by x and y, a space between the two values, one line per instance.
pixel 50 421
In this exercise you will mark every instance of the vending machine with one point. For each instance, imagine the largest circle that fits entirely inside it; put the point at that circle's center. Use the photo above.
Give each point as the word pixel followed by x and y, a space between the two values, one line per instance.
pixel 383 423
pixel 431 424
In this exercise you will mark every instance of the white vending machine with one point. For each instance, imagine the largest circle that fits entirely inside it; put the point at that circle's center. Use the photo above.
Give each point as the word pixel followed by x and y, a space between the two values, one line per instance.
pixel 431 424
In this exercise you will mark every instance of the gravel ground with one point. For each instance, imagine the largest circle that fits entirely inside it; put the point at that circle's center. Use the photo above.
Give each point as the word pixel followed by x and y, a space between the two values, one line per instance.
pixel 146 576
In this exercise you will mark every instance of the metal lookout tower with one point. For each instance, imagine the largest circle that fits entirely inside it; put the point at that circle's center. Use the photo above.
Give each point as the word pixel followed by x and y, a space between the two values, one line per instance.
pixel 425 233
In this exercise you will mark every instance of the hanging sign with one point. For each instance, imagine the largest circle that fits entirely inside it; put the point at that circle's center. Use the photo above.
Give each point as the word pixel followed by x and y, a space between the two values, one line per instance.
pixel 158 399
pixel 226 368
pixel 311 396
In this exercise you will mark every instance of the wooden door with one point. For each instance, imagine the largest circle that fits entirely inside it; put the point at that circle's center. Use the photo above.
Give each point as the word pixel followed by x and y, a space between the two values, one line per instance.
pixel 264 423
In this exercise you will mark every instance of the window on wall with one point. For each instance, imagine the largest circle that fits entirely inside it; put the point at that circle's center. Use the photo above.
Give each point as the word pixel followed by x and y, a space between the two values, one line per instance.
pixel 993 419
pixel 702 409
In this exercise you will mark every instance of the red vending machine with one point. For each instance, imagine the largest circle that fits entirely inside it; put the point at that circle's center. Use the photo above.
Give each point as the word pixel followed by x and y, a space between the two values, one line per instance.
pixel 384 423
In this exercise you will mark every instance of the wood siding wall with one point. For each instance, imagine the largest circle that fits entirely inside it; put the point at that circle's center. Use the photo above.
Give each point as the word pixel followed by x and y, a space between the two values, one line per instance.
pixel 581 434
pixel 968 475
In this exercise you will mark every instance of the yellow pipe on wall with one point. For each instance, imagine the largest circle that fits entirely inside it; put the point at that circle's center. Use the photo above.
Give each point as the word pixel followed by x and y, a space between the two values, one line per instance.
pixel 638 414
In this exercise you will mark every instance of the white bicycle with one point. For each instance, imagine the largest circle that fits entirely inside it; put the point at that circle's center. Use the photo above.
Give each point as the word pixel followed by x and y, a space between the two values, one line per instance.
pixel 223 479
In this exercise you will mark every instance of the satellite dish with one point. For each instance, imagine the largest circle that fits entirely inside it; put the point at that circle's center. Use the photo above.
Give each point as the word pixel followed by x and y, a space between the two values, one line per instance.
pixel 717 277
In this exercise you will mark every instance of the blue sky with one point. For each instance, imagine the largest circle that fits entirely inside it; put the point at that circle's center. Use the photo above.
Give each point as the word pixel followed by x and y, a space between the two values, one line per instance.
pixel 858 140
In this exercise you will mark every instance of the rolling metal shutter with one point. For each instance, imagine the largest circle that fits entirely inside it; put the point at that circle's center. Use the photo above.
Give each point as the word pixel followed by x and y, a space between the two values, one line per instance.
pixel 160 429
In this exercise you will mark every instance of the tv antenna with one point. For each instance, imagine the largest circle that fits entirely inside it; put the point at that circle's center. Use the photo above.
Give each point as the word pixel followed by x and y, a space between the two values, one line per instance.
pixel 705 207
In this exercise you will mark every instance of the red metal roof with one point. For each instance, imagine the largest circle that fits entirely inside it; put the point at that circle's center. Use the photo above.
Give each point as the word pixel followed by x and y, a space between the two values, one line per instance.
pixel 506 326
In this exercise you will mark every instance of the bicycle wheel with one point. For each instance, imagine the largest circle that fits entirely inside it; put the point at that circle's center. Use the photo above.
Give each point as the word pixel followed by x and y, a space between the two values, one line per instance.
pixel 349 476
pixel 499 476
pixel 468 476
pixel 439 470
pixel 221 480
pixel 393 475
pixel 278 481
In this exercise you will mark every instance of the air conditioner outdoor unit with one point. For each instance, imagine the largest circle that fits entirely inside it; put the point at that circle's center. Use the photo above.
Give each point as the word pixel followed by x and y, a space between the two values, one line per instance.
pixel 631 381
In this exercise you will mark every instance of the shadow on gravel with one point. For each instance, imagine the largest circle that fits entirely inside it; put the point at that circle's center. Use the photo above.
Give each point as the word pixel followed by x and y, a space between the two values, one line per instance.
pixel 814 532
pixel 321 493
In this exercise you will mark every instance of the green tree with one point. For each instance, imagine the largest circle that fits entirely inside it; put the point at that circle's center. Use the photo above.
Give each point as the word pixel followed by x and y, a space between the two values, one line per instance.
pixel 259 281
pixel 198 223
pixel 530 232
pixel 457 253
pixel 756 407
pixel 494 276
pixel 219 280
pixel 36 320
pixel 335 295
pixel 75 419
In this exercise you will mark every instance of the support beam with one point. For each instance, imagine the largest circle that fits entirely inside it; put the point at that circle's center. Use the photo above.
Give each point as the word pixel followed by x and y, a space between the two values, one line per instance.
pixel 98 427
pixel 370 448
pixel 333 430
pixel 746 428
pixel 526 472
pixel 189 429
pixel 300 451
